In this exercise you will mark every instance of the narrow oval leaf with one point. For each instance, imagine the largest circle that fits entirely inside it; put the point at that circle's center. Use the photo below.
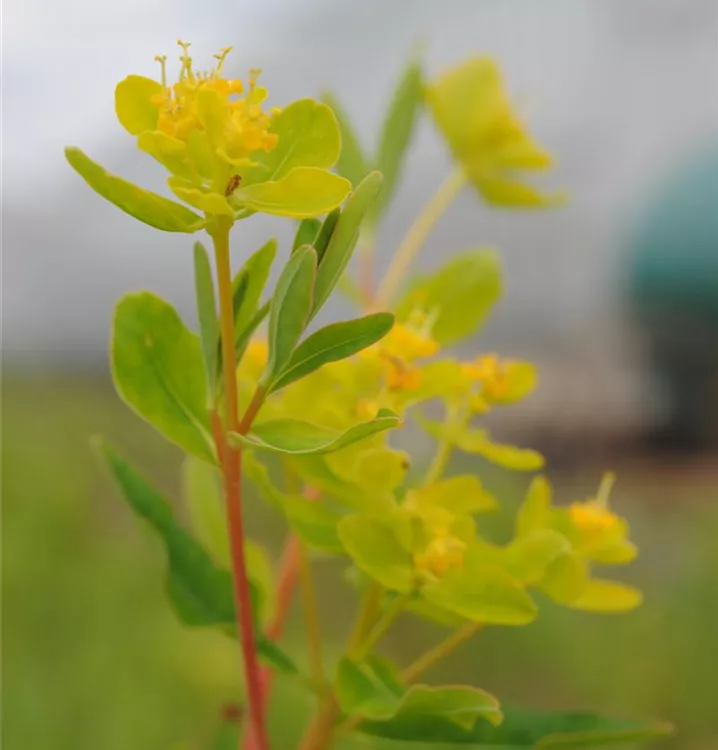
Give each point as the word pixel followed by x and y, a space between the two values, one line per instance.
pixel 302 193
pixel 158 370
pixel 508 456
pixel 296 437
pixel 143 205
pixel 397 131
pixel 202 498
pixel 307 232
pixel 460 295
pixel 206 312
pixel 332 343
pixel 607 596
pixel 289 309
pixel 249 283
pixel 521 729
pixel 326 231
pixel 201 593
pixel 135 104
pixel 344 238
pixel 352 163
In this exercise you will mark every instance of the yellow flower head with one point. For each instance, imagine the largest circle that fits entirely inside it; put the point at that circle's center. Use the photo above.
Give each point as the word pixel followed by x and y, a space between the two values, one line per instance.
pixel 443 553
pixel 593 516
pixel 492 374
pixel 473 111
pixel 408 343
pixel 210 104
pixel 204 129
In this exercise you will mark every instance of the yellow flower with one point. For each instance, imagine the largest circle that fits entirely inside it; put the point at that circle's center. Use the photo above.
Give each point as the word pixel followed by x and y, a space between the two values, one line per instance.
pixel 593 517
pixel 444 552
pixel 200 128
pixel 502 381
pixel 238 131
pixel 472 110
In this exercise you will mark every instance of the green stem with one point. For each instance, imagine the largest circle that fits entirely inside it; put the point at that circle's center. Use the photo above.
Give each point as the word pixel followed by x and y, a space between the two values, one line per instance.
pixel 381 627
pixel 439 651
pixel 416 236
pixel 319 733
pixel 311 617
pixel 439 462
pixel 232 470
pixel 366 618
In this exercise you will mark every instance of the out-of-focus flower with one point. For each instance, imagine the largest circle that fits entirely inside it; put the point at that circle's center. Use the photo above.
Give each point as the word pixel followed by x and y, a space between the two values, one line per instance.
pixel 472 110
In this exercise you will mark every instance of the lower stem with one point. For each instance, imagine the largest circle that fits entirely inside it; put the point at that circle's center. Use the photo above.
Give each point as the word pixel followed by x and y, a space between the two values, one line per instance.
pixel 231 459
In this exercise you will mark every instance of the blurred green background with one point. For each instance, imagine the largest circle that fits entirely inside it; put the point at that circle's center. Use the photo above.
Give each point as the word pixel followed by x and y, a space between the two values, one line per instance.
pixel 93 657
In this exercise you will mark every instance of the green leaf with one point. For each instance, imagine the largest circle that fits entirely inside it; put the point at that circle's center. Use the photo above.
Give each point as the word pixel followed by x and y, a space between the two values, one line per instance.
pixel 308 137
pixel 529 556
pixel 370 688
pixel 397 131
pixel 245 336
pixel 200 592
pixel 332 343
pixel 508 456
pixel 352 162
pixel 206 312
pixel 344 238
pixel 158 370
pixel 459 495
pixel 289 310
pixel 302 193
pixel 296 437
pixel 459 705
pixel 134 104
pixel 202 497
pixel 607 596
pixel 376 550
pixel 249 283
pixel 325 233
pixel 313 522
pixel 521 729
pixel 143 205
pixel 307 232
pixel 566 577
pixel 460 295
pixel 535 510
pixel 203 199
pixel 482 593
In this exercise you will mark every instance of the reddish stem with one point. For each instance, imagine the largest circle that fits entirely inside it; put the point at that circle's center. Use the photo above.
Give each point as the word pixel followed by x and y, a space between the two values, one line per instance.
pixel 231 461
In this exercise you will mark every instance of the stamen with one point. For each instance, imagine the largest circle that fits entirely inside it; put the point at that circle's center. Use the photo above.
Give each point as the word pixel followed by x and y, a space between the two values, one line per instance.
pixel 162 60
pixel 604 490
pixel 254 73
pixel 220 59
pixel 186 60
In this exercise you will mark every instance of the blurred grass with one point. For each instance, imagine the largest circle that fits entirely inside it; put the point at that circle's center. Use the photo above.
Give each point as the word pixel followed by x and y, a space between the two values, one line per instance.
pixel 93 658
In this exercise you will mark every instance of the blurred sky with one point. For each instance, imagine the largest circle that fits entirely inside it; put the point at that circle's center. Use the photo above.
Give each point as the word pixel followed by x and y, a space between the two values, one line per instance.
pixel 622 91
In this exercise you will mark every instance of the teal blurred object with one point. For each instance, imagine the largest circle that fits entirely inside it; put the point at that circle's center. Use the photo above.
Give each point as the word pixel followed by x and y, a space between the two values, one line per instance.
pixel 674 294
